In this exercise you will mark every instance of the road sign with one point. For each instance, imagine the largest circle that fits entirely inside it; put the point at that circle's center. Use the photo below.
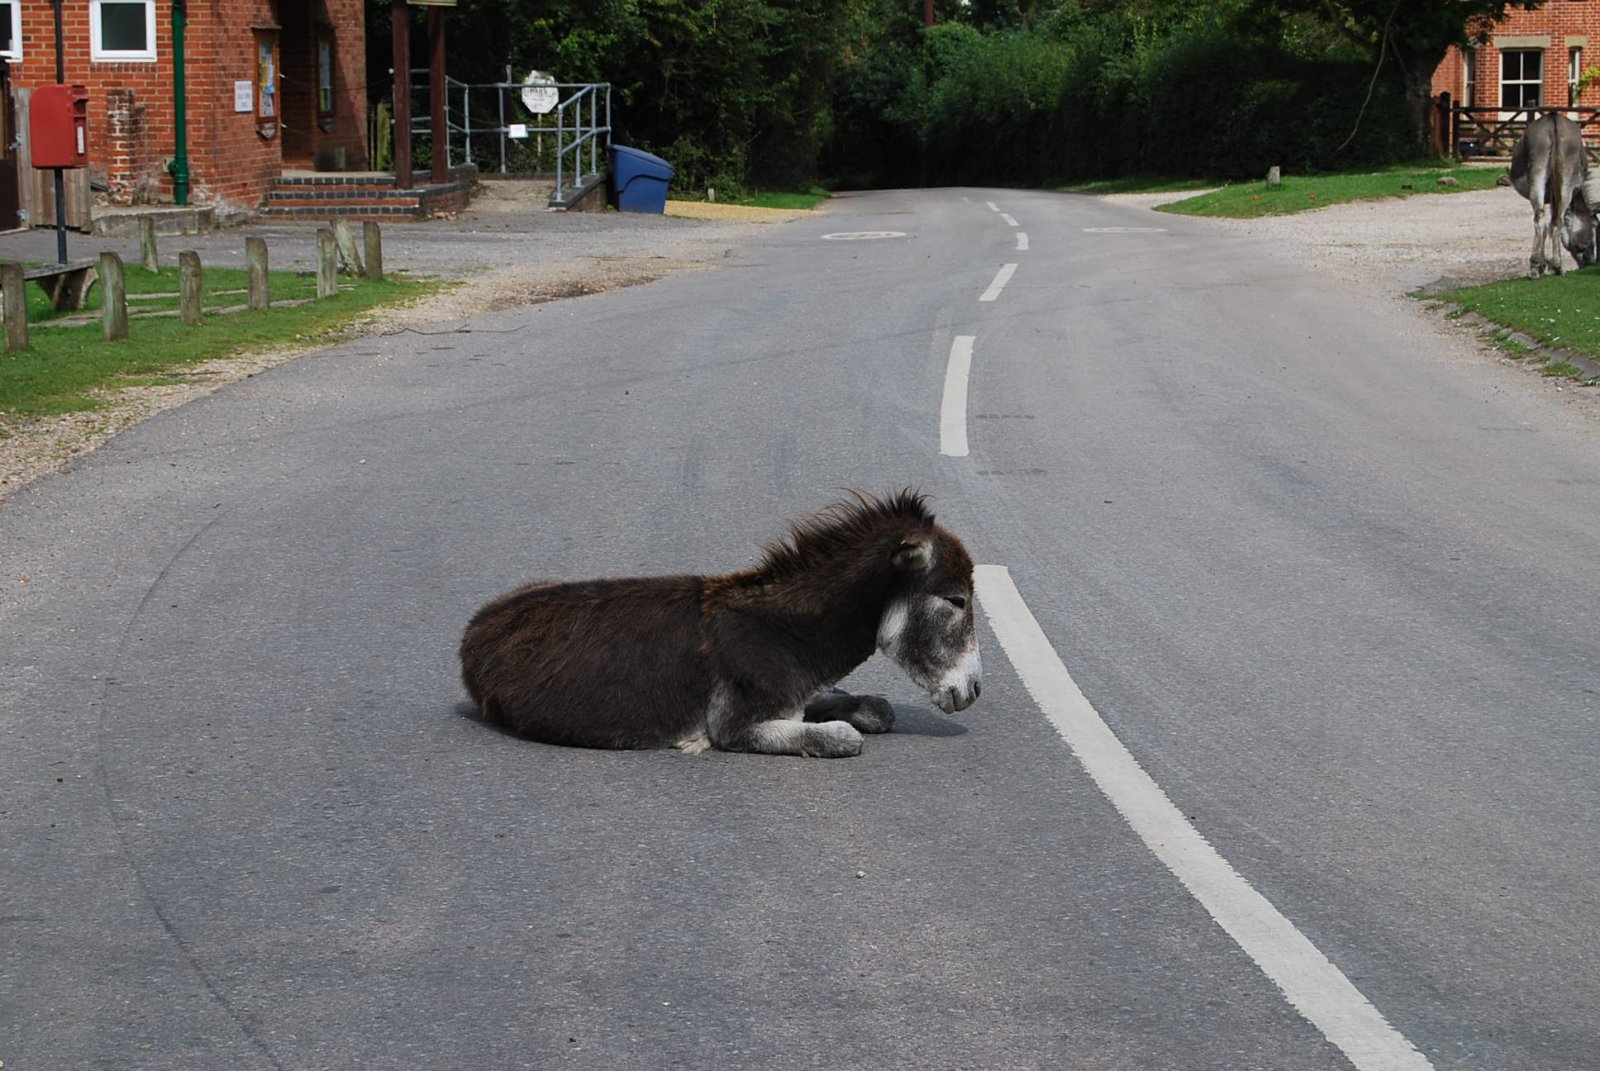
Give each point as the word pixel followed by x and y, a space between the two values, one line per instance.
pixel 539 93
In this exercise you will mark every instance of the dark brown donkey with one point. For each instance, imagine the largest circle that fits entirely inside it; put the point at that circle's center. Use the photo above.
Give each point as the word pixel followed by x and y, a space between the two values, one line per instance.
pixel 741 662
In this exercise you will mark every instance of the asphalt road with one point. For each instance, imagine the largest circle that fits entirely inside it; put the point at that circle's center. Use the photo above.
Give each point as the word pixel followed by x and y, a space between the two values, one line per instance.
pixel 1327 577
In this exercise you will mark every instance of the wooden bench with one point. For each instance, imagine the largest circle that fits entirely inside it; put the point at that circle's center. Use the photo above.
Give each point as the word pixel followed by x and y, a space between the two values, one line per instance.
pixel 67 284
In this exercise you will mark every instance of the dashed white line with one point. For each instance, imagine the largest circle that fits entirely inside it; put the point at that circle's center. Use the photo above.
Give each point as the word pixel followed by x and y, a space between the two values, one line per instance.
pixel 992 206
pixel 1022 241
pixel 1002 277
pixel 1009 221
pixel 1316 988
pixel 953 411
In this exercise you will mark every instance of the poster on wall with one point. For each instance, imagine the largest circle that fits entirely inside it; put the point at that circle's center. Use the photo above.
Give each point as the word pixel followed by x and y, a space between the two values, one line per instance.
pixel 266 78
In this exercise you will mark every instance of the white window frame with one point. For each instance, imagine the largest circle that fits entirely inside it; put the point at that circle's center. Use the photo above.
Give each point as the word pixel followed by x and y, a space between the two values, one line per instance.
pixel 15 51
pixel 1523 80
pixel 99 54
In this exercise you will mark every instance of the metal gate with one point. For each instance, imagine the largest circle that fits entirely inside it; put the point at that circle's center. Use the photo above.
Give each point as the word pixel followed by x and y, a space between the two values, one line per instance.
pixel 488 125
pixel 1491 133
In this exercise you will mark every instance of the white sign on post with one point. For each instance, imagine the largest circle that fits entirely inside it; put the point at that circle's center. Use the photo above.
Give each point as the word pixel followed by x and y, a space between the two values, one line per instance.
pixel 517 131
pixel 540 94
pixel 244 97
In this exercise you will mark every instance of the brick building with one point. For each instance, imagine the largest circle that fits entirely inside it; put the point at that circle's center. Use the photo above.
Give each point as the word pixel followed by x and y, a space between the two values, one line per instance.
pixel 271 85
pixel 1541 58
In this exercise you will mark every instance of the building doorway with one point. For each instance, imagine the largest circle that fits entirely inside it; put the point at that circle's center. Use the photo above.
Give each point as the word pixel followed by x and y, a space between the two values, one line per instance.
pixel 10 187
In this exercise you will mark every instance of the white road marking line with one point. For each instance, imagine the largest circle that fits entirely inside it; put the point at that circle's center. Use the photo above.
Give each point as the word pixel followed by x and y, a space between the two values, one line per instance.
pixel 1317 989
pixel 953 412
pixel 1022 241
pixel 992 206
pixel 1002 277
pixel 1009 221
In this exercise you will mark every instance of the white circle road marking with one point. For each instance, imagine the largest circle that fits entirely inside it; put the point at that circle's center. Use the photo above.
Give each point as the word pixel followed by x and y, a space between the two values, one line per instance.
pixel 1317 989
pixel 863 236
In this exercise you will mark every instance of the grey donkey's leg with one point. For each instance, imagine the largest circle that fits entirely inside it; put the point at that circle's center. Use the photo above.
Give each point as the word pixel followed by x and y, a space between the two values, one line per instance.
pixel 869 713
pixel 1536 260
pixel 732 728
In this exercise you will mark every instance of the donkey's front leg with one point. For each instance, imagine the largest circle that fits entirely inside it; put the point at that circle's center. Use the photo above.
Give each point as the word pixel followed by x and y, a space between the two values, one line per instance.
pixel 869 713
pixel 733 727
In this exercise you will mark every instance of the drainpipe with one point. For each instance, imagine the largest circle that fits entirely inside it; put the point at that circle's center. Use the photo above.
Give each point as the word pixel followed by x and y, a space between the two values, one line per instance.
pixel 179 167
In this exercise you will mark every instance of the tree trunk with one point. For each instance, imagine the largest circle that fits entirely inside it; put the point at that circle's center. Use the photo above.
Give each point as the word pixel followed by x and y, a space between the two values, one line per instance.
pixel 1419 109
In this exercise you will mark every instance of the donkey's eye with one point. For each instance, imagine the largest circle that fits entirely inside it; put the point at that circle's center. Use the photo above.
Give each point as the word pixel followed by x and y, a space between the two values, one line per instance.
pixel 957 601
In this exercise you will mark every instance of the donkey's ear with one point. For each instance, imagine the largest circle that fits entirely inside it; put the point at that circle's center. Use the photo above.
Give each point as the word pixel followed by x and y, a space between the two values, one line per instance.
pixel 913 555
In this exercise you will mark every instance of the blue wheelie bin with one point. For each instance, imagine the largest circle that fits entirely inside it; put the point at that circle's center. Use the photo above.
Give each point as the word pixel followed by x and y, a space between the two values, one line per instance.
pixel 639 179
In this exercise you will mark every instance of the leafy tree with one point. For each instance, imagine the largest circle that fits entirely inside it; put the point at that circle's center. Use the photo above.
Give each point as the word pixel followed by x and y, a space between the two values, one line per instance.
pixel 1414 36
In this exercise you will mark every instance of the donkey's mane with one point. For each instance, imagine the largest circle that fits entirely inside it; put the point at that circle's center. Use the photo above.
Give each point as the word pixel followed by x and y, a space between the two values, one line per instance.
pixel 843 526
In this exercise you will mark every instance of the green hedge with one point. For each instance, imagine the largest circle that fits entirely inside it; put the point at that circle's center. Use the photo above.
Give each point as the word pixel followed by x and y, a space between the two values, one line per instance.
pixel 1022 108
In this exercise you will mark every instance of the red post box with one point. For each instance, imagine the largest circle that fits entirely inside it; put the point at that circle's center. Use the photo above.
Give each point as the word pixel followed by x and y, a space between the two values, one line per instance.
pixel 58 126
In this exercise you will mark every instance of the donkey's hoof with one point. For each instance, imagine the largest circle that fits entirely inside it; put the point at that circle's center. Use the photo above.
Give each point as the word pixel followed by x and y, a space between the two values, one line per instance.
pixel 833 740
pixel 875 715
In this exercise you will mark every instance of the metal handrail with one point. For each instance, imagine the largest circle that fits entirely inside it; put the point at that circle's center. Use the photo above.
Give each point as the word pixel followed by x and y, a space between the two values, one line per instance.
pixel 580 120
pixel 589 135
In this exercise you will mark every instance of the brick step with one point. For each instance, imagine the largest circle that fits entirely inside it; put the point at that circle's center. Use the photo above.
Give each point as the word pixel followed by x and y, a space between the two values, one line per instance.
pixel 362 196
pixel 378 212
pixel 343 193
pixel 324 181
pixel 343 202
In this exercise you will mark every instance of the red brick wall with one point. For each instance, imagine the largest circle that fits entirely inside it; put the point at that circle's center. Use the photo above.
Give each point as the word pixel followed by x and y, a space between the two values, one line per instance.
pixel 231 162
pixel 1559 24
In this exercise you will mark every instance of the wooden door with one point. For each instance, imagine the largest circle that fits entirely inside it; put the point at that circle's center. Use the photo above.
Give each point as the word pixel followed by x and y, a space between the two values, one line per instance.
pixel 10 188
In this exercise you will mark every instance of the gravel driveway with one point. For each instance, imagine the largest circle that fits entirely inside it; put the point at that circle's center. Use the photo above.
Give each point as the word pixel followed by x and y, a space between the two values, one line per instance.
pixel 1428 241
pixel 511 251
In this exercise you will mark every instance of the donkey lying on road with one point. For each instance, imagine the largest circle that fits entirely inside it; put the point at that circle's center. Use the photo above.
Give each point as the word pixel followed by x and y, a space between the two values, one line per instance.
pixel 1549 168
pixel 741 662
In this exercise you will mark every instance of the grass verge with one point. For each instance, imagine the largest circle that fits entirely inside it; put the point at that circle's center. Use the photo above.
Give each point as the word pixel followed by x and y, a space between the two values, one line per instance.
pixel 774 199
pixel 1144 185
pixel 1559 312
pixel 1302 193
pixel 66 368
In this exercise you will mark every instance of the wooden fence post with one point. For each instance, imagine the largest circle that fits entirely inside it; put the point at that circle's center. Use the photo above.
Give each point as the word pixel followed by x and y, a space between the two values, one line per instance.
pixel 255 255
pixel 327 264
pixel 147 245
pixel 349 255
pixel 15 306
pixel 372 238
pixel 113 298
pixel 189 291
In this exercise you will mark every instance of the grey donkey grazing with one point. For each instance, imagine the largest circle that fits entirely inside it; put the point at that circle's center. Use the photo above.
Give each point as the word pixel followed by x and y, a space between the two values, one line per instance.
pixel 1549 168
pixel 744 661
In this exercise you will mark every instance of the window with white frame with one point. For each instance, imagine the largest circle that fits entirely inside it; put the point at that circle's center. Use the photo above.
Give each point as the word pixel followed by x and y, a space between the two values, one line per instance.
pixel 1469 77
pixel 1574 75
pixel 11 29
pixel 122 30
pixel 1521 78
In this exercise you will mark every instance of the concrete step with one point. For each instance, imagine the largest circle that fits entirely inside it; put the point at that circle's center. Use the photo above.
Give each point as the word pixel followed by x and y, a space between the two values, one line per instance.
pixel 118 222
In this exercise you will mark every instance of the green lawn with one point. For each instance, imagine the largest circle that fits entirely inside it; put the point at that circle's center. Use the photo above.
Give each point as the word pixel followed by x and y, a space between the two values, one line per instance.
pixel 1302 193
pixel 777 199
pixel 65 365
pixel 1562 312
